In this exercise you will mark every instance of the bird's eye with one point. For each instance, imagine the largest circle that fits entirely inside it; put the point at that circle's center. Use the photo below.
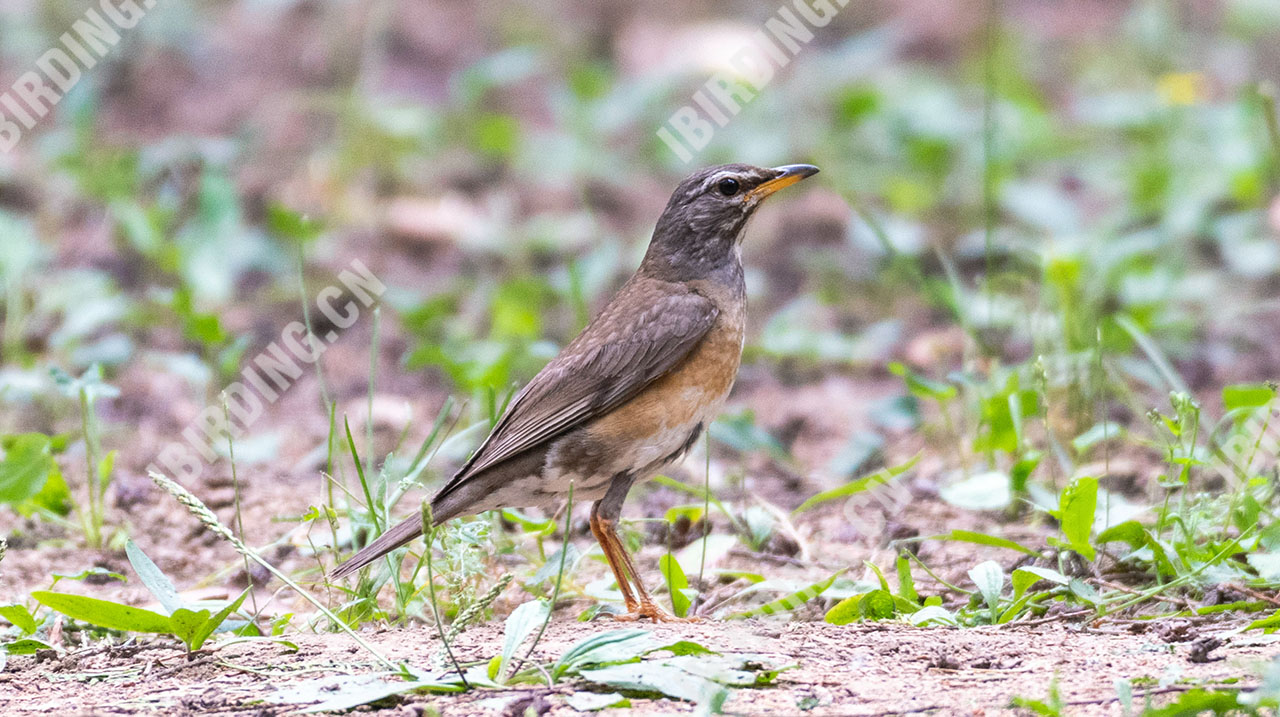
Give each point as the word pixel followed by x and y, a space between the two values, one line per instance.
pixel 728 187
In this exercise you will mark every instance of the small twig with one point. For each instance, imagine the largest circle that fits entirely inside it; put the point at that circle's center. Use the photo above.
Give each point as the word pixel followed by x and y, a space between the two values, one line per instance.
pixel 1256 595
pixel 1157 691
pixel 1045 620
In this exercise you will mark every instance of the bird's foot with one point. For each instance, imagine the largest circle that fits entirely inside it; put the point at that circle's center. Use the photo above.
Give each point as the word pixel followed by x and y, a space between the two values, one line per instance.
pixel 651 611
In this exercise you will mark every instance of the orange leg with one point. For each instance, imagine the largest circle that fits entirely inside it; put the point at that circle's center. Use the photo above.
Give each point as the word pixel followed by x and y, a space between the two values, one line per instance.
pixel 605 535
pixel 624 571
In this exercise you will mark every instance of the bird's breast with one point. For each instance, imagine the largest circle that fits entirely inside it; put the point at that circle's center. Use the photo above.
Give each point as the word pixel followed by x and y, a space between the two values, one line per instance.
pixel 661 423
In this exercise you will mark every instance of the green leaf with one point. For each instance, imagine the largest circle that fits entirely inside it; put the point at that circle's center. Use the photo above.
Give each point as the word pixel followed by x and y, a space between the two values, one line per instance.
pixel 732 670
pixel 877 605
pixel 94 572
pixel 845 611
pixel 922 386
pixel 684 647
pixel 716 546
pixel 984 491
pixel 1021 471
pixel 1195 702
pixel 1267 565
pixel 969 536
pixel 906 583
pixel 1130 531
pixel 1267 624
pixel 1084 591
pixel 213 623
pixel 341 693
pixel 932 614
pixel 1077 506
pixel 593 701
pixel 184 624
pixel 1025 577
pixel 1002 416
pixel 677 583
pixel 20 617
pixel 874 605
pixel 661 678
pixel 288 224
pixel 988 576
pixel 789 602
pixel 151 576
pixel 860 485
pixel 760 525
pixel 26 646
pixel 495 135
pixel 106 467
pixel 103 613
pixel 28 462
pixel 884 583
pixel 1246 395
pixel 604 649
pixel 54 497
pixel 520 624
pixel 691 512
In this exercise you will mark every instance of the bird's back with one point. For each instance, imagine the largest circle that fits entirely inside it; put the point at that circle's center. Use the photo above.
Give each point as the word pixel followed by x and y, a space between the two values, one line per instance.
pixel 675 389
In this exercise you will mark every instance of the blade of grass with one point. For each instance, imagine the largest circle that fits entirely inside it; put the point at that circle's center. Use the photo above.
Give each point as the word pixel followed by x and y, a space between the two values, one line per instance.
pixel 92 450
pixel 1267 97
pixel 235 484
pixel 306 320
pixel 706 520
pixel 429 533
pixel 990 46
pixel 555 592
pixel 370 505
pixel 373 382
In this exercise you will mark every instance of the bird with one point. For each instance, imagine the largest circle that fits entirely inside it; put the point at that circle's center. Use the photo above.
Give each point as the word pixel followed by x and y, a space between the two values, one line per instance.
pixel 634 390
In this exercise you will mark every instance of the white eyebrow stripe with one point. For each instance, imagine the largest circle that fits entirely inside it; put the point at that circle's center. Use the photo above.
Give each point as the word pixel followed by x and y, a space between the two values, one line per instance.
pixel 715 179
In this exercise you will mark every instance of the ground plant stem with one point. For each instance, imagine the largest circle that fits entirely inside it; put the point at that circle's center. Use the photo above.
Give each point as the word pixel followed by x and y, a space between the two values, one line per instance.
pixel 555 592
pixel 429 534
pixel 93 521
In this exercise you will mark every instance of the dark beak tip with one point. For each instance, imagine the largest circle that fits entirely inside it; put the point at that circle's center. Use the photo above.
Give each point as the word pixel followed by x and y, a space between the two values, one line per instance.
pixel 800 170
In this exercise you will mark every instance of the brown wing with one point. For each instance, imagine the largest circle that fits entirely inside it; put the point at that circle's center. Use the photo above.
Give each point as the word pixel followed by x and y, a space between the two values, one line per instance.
pixel 643 333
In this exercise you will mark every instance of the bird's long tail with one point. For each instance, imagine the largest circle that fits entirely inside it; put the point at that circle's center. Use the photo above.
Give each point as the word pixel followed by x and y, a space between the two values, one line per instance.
pixel 399 534
pixel 444 506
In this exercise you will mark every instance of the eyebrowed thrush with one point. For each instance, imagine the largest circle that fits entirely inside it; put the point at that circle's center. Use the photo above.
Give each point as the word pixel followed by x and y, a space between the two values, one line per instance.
pixel 632 393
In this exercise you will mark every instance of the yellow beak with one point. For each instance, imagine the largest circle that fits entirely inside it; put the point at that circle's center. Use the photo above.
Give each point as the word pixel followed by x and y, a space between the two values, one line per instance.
pixel 787 175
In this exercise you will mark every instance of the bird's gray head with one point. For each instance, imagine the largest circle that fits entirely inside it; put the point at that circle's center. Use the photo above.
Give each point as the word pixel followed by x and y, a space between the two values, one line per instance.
pixel 699 230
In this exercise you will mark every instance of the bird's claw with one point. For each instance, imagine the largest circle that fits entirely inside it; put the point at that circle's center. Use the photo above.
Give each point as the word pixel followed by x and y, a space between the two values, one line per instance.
pixel 648 610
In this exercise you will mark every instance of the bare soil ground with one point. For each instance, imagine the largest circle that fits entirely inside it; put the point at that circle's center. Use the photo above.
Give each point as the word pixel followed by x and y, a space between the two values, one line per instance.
pixel 853 670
